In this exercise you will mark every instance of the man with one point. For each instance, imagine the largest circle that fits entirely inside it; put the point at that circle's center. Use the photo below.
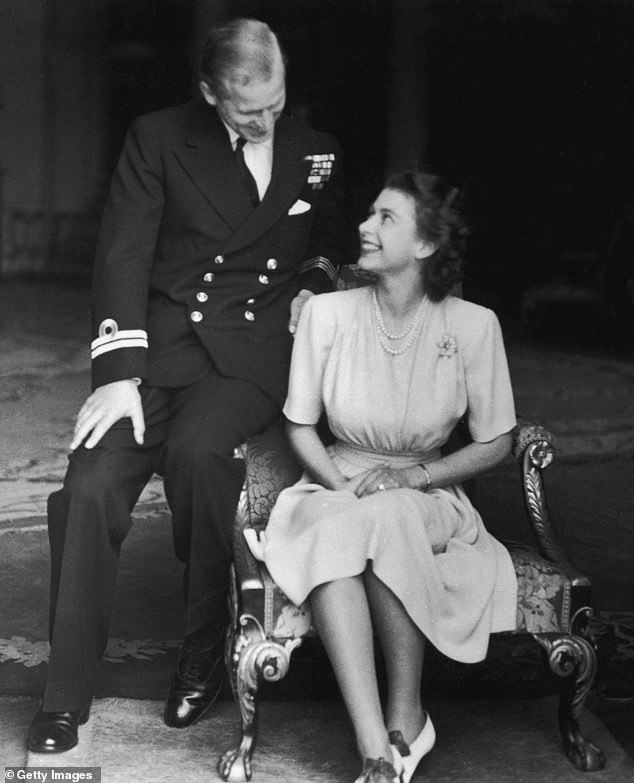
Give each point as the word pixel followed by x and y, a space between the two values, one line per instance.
pixel 224 216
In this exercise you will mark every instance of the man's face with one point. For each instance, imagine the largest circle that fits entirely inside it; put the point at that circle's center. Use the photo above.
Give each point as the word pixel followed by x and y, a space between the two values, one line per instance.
pixel 252 109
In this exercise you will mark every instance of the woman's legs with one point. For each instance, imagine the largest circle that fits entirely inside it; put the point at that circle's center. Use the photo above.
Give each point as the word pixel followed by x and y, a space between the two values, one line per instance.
pixel 342 618
pixel 403 648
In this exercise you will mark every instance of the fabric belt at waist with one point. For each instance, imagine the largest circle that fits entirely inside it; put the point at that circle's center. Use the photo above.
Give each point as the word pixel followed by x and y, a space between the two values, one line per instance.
pixel 366 457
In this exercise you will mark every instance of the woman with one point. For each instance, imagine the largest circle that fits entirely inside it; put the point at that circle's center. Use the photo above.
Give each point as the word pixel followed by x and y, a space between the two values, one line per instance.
pixel 379 532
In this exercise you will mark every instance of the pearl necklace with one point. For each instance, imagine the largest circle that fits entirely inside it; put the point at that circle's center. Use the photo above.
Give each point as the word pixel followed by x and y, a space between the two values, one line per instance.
pixel 382 331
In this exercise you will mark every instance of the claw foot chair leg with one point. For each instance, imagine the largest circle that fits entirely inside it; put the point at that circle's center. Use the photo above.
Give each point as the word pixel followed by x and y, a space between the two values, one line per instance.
pixel 573 658
pixel 252 659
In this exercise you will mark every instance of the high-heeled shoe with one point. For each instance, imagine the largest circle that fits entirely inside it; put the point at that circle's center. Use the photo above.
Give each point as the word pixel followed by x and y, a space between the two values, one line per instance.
pixel 413 753
pixel 381 771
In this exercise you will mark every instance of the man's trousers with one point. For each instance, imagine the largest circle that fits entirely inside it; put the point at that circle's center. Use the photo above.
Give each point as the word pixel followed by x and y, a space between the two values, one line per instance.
pixel 190 436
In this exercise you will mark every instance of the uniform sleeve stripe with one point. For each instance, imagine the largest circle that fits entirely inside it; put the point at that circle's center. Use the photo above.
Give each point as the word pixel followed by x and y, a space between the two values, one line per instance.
pixel 121 334
pixel 116 343
pixel 319 262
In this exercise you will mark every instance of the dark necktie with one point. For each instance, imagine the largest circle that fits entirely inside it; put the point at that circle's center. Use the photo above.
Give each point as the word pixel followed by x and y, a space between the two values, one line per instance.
pixel 245 172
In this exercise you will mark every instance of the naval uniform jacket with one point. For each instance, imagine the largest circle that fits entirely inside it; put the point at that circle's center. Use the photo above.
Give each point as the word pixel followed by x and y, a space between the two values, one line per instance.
pixel 186 269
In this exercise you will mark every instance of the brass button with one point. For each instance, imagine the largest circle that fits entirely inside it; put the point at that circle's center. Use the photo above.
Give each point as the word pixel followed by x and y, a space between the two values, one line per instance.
pixel 250 316
pixel 271 264
pixel 196 316
pixel 208 277
pixel 264 279
pixel 202 296
pixel 219 260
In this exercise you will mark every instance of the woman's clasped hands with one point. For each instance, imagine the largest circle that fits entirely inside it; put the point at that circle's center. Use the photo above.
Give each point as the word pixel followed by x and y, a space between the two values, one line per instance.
pixel 382 478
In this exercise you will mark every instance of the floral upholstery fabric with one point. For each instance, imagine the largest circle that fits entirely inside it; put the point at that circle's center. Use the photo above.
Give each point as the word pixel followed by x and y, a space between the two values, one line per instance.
pixel 543 595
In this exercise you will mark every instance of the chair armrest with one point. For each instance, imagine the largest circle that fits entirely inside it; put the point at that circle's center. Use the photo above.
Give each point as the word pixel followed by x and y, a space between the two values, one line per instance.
pixel 247 568
pixel 533 448
pixel 270 466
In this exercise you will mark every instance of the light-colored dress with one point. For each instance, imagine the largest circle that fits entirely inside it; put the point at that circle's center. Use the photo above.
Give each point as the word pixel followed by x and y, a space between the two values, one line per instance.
pixel 431 549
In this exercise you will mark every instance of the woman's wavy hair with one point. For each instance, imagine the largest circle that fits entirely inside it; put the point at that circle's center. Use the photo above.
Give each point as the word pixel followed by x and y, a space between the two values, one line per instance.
pixel 440 220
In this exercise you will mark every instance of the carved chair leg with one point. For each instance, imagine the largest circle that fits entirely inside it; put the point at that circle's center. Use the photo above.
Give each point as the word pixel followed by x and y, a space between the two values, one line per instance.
pixel 252 658
pixel 573 658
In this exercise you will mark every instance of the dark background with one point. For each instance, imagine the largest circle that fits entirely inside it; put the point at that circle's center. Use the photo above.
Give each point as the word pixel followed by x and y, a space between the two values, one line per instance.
pixel 527 105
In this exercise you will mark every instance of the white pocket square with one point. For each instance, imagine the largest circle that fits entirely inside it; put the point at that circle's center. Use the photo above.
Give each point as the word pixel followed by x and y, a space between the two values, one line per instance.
pixel 299 207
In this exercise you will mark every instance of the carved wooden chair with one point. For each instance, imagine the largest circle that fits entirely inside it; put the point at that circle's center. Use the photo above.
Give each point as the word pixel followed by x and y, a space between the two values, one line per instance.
pixel 553 598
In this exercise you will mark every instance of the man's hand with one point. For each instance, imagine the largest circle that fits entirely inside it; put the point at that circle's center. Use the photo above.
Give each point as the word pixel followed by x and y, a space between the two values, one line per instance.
pixel 296 308
pixel 105 406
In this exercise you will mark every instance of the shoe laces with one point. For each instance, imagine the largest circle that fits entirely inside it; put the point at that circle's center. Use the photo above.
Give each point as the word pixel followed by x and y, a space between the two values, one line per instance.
pixel 196 665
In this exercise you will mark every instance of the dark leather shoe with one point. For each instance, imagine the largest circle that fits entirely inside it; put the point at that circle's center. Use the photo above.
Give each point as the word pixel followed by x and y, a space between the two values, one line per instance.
pixel 54 732
pixel 195 686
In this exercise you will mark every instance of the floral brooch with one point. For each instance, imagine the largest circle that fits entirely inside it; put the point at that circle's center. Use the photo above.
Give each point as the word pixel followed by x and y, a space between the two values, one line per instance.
pixel 448 345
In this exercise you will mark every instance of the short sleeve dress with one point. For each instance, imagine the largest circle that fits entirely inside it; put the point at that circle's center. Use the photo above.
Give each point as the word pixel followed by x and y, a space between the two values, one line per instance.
pixel 431 549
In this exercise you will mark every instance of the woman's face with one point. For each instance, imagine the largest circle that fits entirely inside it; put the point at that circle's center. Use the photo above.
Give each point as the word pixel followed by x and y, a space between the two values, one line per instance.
pixel 389 237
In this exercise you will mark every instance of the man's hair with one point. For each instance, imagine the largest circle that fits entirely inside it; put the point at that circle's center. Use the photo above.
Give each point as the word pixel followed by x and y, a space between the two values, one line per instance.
pixel 242 51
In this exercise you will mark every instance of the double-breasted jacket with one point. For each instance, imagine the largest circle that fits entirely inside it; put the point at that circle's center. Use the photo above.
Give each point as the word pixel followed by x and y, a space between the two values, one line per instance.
pixel 187 270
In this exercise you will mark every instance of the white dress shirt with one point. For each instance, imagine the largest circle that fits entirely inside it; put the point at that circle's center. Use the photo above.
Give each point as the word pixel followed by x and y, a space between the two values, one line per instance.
pixel 258 157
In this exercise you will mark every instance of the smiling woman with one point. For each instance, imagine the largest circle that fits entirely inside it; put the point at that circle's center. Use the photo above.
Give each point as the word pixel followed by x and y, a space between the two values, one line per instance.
pixel 379 532
pixel 390 240
pixel 426 214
